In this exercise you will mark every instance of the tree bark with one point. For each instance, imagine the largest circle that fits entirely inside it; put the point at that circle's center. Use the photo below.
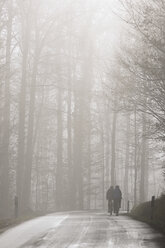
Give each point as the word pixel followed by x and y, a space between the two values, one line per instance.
pixel 59 170
pixel 135 157
pixel 143 175
pixel 30 135
pixel 126 182
pixel 6 119
pixel 22 111
pixel 113 149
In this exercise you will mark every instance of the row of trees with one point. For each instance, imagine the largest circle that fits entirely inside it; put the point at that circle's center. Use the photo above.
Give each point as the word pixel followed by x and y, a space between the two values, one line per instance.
pixel 141 81
pixel 46 122
pixel 66 131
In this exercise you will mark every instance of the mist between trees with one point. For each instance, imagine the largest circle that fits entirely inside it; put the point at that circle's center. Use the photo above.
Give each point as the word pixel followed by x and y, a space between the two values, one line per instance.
pixel 82 94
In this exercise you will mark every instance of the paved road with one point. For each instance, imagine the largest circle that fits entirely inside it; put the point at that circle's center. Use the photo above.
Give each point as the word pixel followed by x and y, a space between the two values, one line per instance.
pixel 82 230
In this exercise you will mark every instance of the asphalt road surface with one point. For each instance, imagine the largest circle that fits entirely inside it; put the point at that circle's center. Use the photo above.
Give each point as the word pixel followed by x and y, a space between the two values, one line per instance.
pixel 82 230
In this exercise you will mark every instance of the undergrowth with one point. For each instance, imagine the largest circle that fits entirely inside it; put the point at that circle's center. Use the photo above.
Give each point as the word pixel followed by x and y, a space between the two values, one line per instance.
pixel 143 213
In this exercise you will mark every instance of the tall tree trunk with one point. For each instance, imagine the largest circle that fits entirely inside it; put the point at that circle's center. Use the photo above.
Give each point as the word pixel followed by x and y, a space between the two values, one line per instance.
pixel 22 109
pixel 69 139
pixel 74 178
pixel 59 171
pixel 107 159
pixel 79 155
pixel 78 139
pixel 147 170
pixel 88 133
pixel 103 169
pixel 6 120
pixel 89 165
pixel 113 149
pixel 30 134
pixel 135 157
pixel 143 174
pixel 69 148
pixel 127 158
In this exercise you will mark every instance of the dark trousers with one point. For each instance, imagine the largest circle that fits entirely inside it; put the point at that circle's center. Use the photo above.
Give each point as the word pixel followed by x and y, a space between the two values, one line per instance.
pixel 110 206
pixel 117 205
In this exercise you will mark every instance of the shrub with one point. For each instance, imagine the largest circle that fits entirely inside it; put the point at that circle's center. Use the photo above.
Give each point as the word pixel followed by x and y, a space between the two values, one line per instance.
pixel 143 212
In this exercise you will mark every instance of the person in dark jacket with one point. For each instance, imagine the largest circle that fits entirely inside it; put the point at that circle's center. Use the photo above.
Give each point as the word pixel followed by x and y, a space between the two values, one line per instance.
pixel 109 197
pixel 117 196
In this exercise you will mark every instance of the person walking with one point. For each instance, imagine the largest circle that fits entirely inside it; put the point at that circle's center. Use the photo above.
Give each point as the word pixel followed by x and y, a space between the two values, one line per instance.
pixel 109 197
pixel 117 196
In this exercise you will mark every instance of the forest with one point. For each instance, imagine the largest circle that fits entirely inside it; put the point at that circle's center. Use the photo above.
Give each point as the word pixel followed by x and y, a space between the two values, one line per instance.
pixel 82 89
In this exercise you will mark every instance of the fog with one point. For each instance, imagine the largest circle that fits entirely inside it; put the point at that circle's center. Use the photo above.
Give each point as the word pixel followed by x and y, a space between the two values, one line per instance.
pixel 82 103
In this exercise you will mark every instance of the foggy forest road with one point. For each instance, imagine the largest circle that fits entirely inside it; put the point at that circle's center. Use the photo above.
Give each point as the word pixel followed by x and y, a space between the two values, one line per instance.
pixel 82 230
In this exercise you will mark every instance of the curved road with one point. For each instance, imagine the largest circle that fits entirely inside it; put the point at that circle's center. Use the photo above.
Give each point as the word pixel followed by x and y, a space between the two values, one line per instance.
pixel 82 230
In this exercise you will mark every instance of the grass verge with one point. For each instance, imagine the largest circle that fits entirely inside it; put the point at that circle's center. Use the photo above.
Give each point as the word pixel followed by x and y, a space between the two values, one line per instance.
pixel 143 213
pixel 5 224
